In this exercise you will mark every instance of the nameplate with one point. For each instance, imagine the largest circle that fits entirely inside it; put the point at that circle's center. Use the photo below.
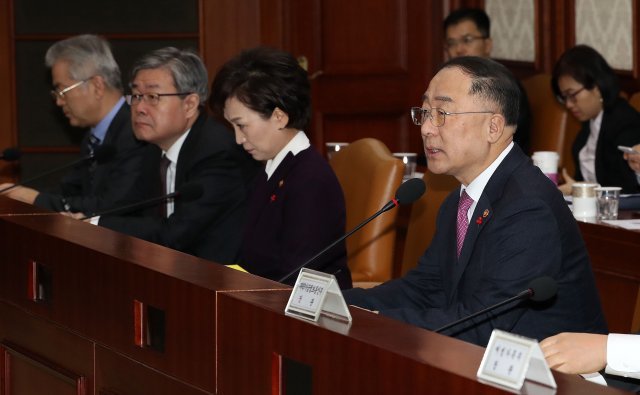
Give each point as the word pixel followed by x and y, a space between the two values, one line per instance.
pixel 510 359
pixel 314 294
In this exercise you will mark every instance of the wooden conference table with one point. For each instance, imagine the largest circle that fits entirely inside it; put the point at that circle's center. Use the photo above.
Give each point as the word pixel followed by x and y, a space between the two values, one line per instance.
pixel 84 310
pixel 615 258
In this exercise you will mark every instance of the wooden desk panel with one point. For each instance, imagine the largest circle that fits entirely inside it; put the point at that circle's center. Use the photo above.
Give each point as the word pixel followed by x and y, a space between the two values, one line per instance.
pixel 222 326
pixel 375 355
pixel 97 274
pixel 119 375
pixel 38 357
pixel 615 258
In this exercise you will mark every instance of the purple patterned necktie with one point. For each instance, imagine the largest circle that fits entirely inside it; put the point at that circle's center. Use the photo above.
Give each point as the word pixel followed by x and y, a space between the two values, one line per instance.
pixel 462 223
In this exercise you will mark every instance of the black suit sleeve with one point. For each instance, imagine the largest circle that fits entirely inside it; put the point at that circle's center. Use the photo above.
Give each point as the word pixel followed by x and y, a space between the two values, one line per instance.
pixel 210 226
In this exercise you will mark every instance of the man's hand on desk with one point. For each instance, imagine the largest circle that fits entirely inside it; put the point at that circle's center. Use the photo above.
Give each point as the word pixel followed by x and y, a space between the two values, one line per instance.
pixel 73 215
pixel 568 183
pixel 576 353
pixel 20 193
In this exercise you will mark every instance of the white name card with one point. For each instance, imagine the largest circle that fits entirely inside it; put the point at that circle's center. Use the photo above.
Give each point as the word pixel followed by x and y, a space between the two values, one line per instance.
pixel 316 293
pixel 509 359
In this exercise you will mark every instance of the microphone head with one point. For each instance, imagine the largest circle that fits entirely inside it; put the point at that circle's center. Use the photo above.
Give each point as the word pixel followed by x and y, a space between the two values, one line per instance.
pixel 410 191
pixel 190 191
pixel 542 289
pixel 11 154
pixel 104 153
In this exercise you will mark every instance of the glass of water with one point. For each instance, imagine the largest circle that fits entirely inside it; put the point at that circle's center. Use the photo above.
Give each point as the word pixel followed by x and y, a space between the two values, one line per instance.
pixel 608 199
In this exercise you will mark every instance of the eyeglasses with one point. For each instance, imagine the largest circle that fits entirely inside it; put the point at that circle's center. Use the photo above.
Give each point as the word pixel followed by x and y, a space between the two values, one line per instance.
pixel 436 115
pixel 569 97
pixel 465 40
pixel 150 98
pixel 59 94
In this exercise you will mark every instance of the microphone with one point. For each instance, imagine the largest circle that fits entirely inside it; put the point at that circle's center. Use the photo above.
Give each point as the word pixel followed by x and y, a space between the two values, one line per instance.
pixel 540 289
pixel 187 192
pixel 407 193
pixel 102 154
pixel 10 154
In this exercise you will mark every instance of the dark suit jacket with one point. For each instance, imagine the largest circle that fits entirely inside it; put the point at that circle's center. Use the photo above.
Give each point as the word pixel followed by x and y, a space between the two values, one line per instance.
pixel 110 184
pixel 294 215
pixel 209 227
pixel 620 126
pixel 521 229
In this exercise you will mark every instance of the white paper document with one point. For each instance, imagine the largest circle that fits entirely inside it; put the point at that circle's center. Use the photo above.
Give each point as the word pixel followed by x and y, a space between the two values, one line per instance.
pixel 631 224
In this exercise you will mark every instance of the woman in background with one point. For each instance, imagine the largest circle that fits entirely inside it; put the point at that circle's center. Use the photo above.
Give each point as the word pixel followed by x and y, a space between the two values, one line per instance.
pixel 297 206
pixel 584 82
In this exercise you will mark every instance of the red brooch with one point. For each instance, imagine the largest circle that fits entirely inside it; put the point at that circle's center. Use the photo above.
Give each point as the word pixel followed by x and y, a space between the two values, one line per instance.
pixel 273 197
pixel 479 220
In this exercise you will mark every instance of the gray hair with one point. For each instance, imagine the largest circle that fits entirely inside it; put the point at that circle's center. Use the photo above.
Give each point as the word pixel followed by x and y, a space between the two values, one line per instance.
pixel 491 81
pixel 87 56
pixel 187 69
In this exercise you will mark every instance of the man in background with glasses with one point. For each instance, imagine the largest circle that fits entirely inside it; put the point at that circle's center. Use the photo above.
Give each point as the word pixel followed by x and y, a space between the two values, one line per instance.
pixel 169 89
pixel 468 33
pixel 506 226
pixel 88 89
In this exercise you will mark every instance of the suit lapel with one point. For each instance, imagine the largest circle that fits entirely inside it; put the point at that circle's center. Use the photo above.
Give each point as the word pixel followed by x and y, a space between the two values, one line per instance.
pixel 265 192
pixel 479 220
pixel 187 154
pixel 484 212
pixel 276 182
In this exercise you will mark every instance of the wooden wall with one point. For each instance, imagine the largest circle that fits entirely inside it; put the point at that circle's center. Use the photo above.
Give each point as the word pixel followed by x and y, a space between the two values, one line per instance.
pixel 371 59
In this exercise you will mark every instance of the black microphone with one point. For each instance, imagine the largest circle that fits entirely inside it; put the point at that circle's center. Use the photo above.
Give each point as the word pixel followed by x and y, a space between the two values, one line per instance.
pixel 187 192
pixel 10 154
pixel 101 155
pixel 407 193
pixel 540 289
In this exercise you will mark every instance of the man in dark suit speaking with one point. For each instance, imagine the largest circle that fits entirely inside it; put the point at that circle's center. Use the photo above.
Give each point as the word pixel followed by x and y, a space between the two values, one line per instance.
pixel 169 89
pixel 504 227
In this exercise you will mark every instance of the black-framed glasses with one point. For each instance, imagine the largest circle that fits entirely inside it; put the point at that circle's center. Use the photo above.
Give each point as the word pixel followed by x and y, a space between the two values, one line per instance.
pixel 465 40
pixel 437 116
pixel 59 94
pixel 150 98
pixel 564 98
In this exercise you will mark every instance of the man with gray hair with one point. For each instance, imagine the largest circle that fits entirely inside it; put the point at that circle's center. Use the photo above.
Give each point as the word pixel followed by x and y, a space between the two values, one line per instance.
pixel 506 225
pixel 88 89
pixel 169 90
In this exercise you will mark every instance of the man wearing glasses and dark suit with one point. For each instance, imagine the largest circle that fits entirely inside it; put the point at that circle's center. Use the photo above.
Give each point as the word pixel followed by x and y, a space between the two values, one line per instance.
pixel 506 226
pixel 87 87
pixel 169 89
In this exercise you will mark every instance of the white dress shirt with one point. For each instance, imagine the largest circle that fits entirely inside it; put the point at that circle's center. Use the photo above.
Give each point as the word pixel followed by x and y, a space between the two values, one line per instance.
pixel 298 143
pixel 475 187
pixel 172 154
pixel 623 355
pixel 587 155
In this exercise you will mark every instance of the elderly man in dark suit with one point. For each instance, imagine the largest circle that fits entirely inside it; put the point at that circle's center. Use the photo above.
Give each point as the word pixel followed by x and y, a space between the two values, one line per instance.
pixel 169 88
pixel 88 89
pixel 506 225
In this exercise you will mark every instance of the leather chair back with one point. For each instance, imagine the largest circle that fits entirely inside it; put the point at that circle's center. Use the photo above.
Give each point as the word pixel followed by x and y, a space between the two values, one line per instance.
pixel 548 117
pixel 635 101
pixel 422 221
pixel 369 176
